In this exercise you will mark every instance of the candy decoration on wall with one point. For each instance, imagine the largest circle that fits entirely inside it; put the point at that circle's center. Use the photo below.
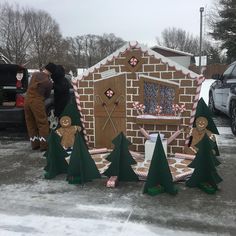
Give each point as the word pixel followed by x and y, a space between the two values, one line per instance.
pixel 158 110
pixel 175 108
pixel 139 107
pixel 181 109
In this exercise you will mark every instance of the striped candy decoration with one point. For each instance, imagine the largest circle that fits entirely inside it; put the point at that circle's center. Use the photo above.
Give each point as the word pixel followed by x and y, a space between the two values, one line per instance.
pixel 75 85
pixel 200 80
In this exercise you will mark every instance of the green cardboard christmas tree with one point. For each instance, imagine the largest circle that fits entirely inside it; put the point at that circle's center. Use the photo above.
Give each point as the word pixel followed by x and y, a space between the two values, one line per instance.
pixel 121 160
pixel 203 110
pixel 159 177
pixel 205 175
pixel 82 167
pixel 55 156
pixel 72 111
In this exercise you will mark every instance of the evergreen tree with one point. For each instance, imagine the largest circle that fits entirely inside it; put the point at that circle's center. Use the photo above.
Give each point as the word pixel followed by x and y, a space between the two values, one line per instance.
pixel 55 156
pixel 159 177
pixel 121 160
pixel 82 167
pixel 224 29
pixel 205 175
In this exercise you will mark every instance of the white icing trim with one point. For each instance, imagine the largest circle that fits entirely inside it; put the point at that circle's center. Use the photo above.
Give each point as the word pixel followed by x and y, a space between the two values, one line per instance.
pixel 158 79
pixel 150 52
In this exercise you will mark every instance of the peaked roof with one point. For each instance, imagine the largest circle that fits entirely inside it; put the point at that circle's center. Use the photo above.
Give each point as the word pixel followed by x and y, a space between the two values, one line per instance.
pixel 135 45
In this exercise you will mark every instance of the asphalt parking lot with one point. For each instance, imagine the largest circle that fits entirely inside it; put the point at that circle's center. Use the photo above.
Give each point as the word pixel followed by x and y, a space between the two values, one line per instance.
pixel 31 205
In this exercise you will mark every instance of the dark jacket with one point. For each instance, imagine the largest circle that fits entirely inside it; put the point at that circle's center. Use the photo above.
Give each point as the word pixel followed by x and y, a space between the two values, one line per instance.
pixel 61 90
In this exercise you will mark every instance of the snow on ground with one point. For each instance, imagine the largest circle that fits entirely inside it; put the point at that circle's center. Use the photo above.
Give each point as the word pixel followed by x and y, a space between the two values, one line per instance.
pixel 45 225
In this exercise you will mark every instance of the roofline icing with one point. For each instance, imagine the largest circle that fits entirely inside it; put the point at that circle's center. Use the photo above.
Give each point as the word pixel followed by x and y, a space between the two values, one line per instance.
pixel 150 52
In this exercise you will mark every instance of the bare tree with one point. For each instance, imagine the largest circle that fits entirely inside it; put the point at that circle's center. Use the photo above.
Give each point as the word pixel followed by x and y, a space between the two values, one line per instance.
pixel 13 33
pixel 179 39
pixel 44 35
pixel 89 49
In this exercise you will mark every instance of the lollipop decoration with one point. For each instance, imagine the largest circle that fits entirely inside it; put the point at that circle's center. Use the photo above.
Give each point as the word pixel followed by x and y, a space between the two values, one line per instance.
pixel 181 109
pixel 139 107
pixel 175 108
pixel 158 110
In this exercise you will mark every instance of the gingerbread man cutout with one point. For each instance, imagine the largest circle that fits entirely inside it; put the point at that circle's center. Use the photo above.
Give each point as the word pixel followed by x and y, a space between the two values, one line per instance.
pixel 197 133
pixel 67 132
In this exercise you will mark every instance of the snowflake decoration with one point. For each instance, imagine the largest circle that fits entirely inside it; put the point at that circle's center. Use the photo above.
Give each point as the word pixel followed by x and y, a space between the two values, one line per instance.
pixel 133 61
pixel 109 93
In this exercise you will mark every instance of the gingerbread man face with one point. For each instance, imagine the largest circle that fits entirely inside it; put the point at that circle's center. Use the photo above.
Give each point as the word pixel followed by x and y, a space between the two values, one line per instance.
pixel 19 76
pixel 201 123
pixel 65 121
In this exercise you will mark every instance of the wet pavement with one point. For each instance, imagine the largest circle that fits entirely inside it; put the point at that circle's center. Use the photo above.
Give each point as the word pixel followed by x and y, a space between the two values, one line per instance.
pixel 31 205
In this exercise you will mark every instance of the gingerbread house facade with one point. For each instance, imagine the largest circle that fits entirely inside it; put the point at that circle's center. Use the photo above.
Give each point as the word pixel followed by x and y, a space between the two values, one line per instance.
pixel 136 88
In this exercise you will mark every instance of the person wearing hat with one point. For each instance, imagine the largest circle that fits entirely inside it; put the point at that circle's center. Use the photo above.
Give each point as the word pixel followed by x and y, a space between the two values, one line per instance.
pixel 61 90
pixel 35 114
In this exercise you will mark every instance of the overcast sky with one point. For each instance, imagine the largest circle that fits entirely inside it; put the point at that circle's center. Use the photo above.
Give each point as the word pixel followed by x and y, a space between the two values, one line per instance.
pixel 141 20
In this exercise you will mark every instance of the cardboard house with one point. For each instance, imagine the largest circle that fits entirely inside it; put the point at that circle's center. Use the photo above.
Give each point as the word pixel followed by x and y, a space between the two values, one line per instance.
pixel 134 88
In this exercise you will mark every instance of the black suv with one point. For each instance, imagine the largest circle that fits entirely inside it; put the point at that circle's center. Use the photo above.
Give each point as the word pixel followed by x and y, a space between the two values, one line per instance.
pixel 12 98
pixel 222 94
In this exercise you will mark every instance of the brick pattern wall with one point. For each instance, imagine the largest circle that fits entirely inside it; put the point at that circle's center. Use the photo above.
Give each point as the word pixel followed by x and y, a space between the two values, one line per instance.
pixel 150 67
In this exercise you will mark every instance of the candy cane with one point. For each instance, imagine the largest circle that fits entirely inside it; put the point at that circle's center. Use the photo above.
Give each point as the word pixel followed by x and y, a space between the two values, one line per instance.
pixel 77 99
pixel 197 95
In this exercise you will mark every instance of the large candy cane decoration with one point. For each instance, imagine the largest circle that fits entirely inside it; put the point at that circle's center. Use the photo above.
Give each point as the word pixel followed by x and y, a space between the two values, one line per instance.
pixel 75 85
pixel 197 95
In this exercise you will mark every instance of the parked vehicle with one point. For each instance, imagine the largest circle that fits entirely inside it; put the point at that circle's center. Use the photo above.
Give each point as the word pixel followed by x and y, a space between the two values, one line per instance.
pixel 11 110
pixel 222 94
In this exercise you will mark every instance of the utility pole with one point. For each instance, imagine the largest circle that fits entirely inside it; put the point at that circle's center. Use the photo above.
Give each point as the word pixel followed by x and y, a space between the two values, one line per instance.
pixel 200 46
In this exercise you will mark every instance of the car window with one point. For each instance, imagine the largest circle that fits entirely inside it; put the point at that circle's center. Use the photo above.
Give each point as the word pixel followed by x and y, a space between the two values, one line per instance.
pixel 234 72
pixel 229 70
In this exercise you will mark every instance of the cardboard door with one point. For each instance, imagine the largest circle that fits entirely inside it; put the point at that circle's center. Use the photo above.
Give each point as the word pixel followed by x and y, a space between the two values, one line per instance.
pixel 109 110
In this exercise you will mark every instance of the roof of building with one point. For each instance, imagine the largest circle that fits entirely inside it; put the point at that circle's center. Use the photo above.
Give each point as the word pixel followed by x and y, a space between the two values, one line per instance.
pixel 181 53
pixel 150 52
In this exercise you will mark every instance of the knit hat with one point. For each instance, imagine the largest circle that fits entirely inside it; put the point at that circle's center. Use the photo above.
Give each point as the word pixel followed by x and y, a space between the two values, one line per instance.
pixel 51 67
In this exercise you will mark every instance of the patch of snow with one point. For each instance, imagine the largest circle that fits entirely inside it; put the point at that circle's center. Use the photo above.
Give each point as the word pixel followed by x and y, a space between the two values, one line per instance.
pixel 60 226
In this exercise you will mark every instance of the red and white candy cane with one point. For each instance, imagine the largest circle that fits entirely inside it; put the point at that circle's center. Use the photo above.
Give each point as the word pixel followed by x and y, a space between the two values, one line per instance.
pixel 197 95
pixel 158 109
pixel 75 84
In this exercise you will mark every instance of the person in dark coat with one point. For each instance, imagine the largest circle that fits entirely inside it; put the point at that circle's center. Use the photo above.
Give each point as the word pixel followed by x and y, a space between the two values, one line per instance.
pixel 61 88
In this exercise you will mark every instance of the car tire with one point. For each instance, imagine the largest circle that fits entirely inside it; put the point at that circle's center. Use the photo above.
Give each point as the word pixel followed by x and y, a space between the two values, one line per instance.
pixel 52 119
pixel 211 105
pixel 233 117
